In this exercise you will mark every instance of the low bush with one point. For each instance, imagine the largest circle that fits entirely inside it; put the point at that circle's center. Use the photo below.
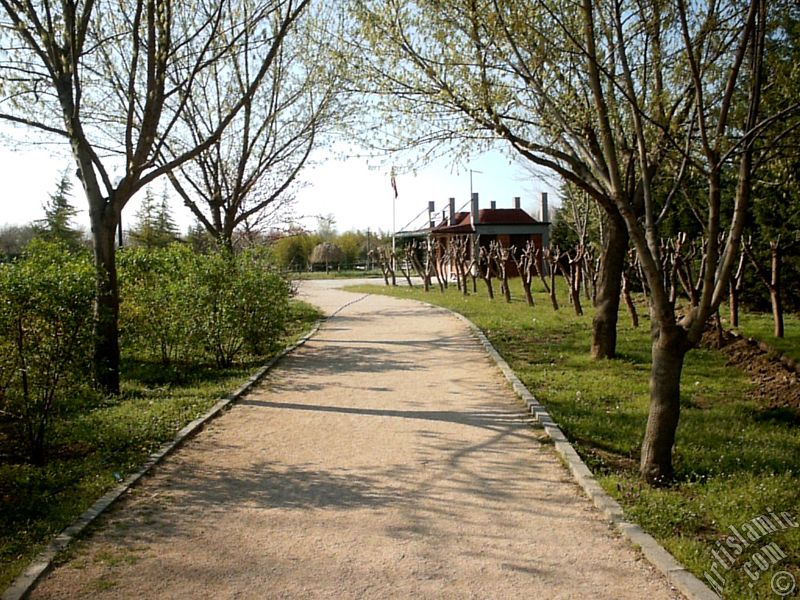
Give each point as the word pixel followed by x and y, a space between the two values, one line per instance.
pixel 177 303
pixel 156 300
pixel 239 302
pixel 45 340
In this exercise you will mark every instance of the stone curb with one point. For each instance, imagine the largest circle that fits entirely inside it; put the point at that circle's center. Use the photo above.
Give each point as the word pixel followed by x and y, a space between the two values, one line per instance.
pixel 41 565
pixel 689 585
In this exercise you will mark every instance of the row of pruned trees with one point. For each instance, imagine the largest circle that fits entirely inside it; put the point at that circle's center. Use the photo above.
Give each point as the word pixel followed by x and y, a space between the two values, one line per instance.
pixel 463 261
pixel 629 102
pixel 683 261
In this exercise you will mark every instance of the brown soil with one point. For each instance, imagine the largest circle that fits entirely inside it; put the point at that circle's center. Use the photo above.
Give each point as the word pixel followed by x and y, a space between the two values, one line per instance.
pixel 777 385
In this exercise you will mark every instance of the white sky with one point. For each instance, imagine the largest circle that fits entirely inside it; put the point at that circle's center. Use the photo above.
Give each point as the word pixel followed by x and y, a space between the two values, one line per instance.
pixel 358 194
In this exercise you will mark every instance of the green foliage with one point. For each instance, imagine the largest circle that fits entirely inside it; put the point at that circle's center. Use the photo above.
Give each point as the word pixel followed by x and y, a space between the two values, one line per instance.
pixel 353 246
pixel 293 251
pixel 154 226
pixel 59 212
pixel 45 339
pixel 110 441
pixel 156 300
pixel 239 302
pixel 200 239
pixel 734 459
pixel 178 303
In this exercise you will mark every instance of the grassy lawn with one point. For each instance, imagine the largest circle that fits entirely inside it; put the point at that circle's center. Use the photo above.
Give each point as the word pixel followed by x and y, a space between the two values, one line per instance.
pixel 334 274
pixel 94 449
pixel 760 326
pixel 734 459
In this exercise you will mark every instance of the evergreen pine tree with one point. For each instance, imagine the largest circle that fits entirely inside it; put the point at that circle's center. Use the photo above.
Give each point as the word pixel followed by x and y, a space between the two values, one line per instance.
pixel 167 230
pixel 144 232
pixel 154 226
pixel 56 225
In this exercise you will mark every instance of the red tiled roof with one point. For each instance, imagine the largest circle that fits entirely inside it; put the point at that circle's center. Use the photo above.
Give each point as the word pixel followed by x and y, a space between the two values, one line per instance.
pixel 505 216
pixel 486 216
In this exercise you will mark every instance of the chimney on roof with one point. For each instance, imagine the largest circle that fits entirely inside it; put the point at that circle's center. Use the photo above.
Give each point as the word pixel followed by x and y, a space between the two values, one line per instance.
pixel 493 205
pixel 431 208
pixel 517 203
pixel 475 205
pixel 545 213
pixel 452 205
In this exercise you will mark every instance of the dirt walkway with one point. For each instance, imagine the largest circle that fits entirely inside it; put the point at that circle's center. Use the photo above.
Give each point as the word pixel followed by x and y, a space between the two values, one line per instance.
pixel 386 458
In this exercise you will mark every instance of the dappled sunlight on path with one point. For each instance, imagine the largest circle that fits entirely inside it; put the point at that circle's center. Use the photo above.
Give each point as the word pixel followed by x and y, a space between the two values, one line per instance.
pixel 387 458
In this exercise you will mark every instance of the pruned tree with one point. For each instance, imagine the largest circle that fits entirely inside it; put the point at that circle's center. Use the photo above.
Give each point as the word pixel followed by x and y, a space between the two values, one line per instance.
pixel 525 261
pixel 384 257
pixel 571 269
pixel 486 269
pixel 114 82
pixel 501 257
pixel 483 69
pixel 630 266
pixel 551 256
pixel 433 261
pixel 771 278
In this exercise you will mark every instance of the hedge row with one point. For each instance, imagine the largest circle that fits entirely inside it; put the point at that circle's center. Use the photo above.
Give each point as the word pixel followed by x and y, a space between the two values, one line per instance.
pixel 176 307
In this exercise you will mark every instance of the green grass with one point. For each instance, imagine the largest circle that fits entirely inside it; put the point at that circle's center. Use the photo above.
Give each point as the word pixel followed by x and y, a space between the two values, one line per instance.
pixel 734 460
pixel 760 326
pixel 333 274
pixel 92 450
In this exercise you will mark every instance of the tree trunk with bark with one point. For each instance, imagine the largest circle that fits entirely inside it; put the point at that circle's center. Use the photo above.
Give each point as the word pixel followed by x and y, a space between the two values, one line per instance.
pixel 669 348
pixel 775 287
pixel 106 312
pixel 609 289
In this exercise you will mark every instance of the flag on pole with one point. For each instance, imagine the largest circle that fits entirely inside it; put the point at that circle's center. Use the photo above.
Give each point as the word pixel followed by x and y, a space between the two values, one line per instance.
pixel 394 183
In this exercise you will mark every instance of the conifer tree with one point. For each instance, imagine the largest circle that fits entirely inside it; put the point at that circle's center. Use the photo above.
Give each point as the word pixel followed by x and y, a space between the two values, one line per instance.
pixel 59 212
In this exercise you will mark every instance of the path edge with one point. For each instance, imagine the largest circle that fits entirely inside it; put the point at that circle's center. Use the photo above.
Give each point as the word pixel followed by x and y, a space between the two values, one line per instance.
pixel 24 583
pixel 678 575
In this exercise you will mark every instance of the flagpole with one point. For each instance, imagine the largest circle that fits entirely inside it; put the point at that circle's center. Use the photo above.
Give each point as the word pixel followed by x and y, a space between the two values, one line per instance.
pixel 394 224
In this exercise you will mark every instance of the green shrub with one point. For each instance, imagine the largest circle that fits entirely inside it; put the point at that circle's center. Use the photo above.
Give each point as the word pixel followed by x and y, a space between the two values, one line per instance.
pixel 45 339
pixel 240 303
pixel 178 304
pixel 156 301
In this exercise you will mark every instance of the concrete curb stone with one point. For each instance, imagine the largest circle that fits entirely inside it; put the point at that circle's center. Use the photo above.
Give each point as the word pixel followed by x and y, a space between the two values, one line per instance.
pixel 43 562
pixel 689 585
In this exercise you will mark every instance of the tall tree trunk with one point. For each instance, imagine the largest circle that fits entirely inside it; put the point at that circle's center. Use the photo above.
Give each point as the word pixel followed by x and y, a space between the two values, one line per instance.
pixel 775 288
pixel 733 301
pixel 106 311
pixel 609 288
pixel 669 348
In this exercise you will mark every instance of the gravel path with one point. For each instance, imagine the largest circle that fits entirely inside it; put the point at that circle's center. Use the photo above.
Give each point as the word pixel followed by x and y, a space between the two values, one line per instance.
pixel 387 458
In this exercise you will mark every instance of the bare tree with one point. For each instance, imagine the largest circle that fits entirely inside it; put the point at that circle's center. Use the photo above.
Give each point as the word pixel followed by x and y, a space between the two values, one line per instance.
pixel 251 170
pixel 113 81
